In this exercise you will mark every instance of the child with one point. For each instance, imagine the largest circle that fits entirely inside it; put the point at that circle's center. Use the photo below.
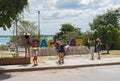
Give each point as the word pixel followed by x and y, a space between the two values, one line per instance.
pixel 35 45
pixel 66 48
pixel 35 50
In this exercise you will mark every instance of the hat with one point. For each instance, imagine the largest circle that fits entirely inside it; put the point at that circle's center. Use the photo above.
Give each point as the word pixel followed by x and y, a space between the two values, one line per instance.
pixel 35 48
pixel 26 33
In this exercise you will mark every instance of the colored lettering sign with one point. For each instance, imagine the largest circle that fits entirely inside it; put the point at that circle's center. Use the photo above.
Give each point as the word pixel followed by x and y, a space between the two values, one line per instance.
pixel 35 43
pixel 79 42
pixel 43 43
pixel 72 42
pixel 51 43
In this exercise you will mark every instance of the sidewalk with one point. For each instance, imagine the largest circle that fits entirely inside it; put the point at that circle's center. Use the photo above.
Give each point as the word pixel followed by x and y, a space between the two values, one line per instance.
pixel 70 62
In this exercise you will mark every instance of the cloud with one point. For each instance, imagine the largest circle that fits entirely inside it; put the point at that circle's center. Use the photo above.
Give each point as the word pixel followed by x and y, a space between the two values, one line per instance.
pixel 86 2
pixel 66 4
pixel 79 13
pixel 76 12
pixel 59 14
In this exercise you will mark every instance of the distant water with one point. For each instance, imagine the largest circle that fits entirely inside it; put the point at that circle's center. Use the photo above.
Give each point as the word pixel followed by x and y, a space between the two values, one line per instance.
pixel 5 40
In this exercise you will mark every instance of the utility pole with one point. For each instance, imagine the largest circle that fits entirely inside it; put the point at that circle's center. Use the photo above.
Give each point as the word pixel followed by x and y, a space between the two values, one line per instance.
pixel 16 37
pixel 39 25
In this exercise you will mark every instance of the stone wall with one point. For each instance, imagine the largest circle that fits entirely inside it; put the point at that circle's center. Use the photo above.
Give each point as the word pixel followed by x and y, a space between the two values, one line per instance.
pixel 73 50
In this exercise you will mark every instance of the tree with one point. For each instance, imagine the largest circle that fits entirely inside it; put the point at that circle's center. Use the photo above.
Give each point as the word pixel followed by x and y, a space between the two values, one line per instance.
pixel 10 10
pixel 110 17
pixel 23 27
pixel 109 35
pixel 106 27
pixel 85 36
pixel 27 26
pixel 67 32
pixel 67 28
pixel 76 34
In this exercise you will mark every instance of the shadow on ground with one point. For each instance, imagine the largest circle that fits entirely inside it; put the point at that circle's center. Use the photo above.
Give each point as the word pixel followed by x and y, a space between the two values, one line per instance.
pixel 4 76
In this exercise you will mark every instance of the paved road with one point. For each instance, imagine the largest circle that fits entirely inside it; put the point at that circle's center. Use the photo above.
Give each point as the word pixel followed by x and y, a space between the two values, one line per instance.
pixel 100 73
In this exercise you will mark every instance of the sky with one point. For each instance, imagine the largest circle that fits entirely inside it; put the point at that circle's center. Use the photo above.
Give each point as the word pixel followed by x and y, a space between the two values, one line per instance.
pixel 54 13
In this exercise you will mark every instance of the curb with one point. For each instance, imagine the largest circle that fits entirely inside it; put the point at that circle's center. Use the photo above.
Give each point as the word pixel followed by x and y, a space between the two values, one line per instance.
pixel 57 67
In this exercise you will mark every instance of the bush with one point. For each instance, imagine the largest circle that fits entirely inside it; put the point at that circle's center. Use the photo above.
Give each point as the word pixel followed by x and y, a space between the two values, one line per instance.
pixel 3 47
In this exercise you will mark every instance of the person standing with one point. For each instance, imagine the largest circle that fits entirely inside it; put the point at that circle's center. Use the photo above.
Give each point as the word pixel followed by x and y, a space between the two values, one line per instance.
pixel 98 47
pixel 35 47
pixel 60 50
pixel 92 47
pixel 27 44
pixel 35 51
pixel 57 45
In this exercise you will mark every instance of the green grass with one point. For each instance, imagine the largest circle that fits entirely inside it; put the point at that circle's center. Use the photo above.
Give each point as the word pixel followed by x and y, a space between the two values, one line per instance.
pixel 4 53
pixel 113 53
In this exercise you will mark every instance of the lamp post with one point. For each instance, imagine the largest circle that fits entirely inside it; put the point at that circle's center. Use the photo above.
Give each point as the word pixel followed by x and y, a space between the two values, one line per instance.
pixel 39 25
